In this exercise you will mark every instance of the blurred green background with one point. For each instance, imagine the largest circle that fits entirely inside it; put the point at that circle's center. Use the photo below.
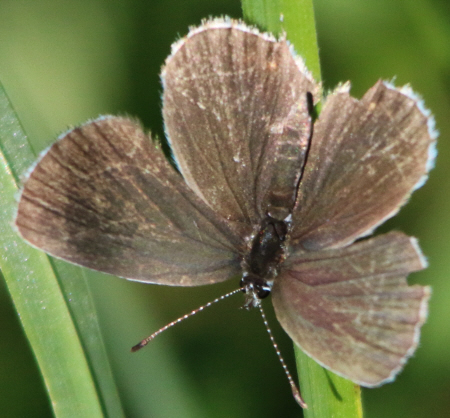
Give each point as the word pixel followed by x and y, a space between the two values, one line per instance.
pixel 63 62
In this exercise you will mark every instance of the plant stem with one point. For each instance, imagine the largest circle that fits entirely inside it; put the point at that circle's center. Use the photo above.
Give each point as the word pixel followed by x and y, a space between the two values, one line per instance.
pixel 69 352
pixel 326 394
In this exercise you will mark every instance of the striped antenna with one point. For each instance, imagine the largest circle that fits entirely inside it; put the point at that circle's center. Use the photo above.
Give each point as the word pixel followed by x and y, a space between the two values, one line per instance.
pixel 294 388
pixel 145 341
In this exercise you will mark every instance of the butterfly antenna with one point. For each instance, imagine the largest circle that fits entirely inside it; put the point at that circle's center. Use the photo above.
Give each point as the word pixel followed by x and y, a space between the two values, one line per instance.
pixel 294 388
pixel 145 341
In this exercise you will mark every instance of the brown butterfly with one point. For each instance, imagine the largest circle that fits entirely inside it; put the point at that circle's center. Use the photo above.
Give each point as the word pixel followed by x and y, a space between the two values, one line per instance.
pixel 265 192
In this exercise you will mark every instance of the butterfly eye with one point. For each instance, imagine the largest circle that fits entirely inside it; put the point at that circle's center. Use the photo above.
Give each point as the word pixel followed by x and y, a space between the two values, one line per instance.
pixel 255 286
pixel 263 291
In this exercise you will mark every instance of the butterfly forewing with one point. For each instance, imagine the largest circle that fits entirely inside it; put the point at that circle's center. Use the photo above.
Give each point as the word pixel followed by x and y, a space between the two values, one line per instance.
pixel 351 309
pixel 104 197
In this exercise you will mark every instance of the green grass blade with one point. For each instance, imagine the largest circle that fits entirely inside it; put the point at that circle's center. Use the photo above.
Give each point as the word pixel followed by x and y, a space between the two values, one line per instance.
pixel 295 17
pixel 326 394
pixel 32 280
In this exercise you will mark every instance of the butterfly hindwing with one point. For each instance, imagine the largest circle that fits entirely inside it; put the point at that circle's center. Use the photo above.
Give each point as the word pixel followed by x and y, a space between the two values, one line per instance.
pixel 235 107
pixel 366 158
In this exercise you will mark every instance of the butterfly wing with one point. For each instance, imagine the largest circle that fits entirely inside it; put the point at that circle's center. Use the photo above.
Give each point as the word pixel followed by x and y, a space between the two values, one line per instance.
pixel 235 106
pixel 366 157
pixel 104 197
pixel 351 309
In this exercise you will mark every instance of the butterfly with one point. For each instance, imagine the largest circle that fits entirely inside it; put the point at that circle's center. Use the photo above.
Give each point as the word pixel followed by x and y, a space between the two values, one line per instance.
pixel 264 190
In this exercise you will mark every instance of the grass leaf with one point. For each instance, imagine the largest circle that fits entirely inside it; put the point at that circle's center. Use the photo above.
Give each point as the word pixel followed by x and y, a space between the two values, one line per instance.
pixel 62 330
pixel 326 394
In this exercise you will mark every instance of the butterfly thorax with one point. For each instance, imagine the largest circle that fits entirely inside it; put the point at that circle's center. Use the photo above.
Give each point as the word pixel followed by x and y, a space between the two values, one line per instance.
pixel 263 260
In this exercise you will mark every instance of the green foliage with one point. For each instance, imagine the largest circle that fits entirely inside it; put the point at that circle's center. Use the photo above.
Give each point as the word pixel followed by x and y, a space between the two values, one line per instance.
pixel 64 62
pixel 326 394
pixel 33 285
